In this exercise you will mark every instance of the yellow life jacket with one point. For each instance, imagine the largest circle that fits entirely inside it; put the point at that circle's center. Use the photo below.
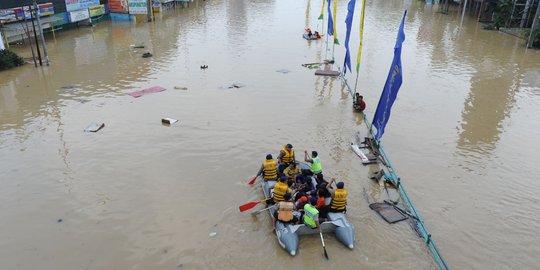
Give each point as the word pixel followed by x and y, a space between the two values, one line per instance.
pixel 339 200
pixel 285 212
pixel 279 191
pixel 270 171
pixel 288 157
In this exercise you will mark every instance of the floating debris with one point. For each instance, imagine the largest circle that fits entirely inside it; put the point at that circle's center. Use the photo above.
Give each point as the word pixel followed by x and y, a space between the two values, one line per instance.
pixel 71 86
pixel 236 85
pixel 283 71
pixel 180 88
pixel 150 90
pixel 168 121
pixel 212 234
pixel 94 127
pixel 137 46
pixel 146 55
pixel 59 220
pixel 204 66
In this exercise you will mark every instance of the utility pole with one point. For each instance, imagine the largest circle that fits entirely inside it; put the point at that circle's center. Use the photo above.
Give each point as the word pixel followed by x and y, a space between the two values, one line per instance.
pixel 35 34
pixel 41 33
pixel 534 25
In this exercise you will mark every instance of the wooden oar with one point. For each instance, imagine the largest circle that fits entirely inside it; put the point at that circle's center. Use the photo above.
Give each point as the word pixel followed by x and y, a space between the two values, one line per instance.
pixel 249 205
pixel 323 246
pixel 260 211
pixel 253 180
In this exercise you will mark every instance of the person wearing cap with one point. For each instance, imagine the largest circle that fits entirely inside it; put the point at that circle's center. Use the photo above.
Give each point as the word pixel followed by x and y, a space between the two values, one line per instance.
pixel 286 157
pixel 314 162
pixel 268 169
pixel 285 211
pixel 280 189
pixel 311 214
pixel 339 200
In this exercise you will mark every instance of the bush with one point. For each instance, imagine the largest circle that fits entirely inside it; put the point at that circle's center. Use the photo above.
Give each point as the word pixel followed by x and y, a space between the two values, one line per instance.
pixel 9 59
pixel 535 37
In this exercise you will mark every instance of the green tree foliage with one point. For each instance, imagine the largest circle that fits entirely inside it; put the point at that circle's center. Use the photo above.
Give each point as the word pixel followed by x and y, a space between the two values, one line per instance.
pixel 535 36
pixel 9 59
pixel 502 13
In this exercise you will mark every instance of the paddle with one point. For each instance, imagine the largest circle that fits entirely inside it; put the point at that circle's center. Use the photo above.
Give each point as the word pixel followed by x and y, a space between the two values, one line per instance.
pixel 253 180
pixel 249 205
pixel 260 211
pixel 323 246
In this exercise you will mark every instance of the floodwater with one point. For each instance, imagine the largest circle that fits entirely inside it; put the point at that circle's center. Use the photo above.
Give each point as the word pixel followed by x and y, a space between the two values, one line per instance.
pixel 141 195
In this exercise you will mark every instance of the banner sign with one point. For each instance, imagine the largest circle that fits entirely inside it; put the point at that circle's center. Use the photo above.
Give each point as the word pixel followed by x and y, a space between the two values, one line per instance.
pixel 72 5
pixel 97 10
pixel 79 15
pixel 118 6
pixel 16 14
pixel 138 7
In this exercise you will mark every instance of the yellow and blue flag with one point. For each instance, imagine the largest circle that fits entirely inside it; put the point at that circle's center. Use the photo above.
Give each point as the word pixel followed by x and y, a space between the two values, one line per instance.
pixel 392 85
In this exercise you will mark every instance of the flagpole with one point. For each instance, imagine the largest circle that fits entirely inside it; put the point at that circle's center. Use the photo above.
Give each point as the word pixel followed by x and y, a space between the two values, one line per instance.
pixel 360 45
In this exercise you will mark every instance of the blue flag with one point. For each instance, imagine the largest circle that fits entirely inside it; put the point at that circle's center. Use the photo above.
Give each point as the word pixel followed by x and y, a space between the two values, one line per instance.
pixel 330 20
pixel 392 85
pixel 348 23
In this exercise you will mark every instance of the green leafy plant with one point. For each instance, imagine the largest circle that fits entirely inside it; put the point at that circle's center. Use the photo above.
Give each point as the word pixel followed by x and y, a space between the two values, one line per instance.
pixel 502 13
pixel 9 59
pixel 535 36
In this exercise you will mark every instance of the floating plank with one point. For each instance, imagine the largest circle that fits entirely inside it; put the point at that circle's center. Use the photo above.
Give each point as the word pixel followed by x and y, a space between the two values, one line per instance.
pixel 332 73
pixel 94 127
pixel 150 90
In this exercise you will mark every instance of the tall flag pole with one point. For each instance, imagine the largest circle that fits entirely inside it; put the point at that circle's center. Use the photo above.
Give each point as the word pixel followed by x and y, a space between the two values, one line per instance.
pixel 321 17
pixel 360 45
pixel 392 85
pixel 330 30
pixel 335 26
pixel 348 23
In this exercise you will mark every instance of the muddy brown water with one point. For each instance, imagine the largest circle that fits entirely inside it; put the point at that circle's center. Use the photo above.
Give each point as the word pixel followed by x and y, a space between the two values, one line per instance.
pixel 140 195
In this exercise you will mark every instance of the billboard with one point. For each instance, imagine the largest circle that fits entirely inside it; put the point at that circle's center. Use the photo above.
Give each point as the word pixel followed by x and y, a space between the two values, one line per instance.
pixel 118 6
pixel 15 14
pixel 79 15
pixel 138 7
pixel 72 5
pixel 97 10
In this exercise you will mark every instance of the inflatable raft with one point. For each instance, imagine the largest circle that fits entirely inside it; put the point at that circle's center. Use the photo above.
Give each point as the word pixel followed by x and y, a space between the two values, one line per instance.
pixel 309 38
pixel 288 234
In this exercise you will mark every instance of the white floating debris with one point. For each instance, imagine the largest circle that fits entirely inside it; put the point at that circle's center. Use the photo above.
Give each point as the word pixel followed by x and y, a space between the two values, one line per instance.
pixel 94 127
pixel 168 121
pixel 212 234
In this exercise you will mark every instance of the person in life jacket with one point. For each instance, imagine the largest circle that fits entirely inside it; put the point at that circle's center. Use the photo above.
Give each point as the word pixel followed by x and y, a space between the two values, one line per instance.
pixel 339 200
pixel 317 35
pixel 358 103
pixel 314 162
pixel 286 157
pixel 285 211
pixel 311 214
pixel 268 169
pixel 280 189
pixel 292 171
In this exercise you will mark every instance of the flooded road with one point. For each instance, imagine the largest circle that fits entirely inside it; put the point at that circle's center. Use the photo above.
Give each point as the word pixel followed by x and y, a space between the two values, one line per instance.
pixel 140 195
